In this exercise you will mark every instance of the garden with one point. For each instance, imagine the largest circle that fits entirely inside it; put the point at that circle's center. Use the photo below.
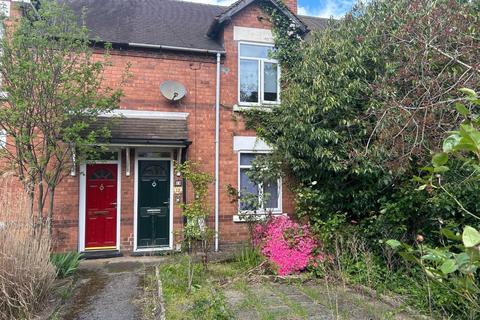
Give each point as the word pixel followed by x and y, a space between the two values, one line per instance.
pixel 377 134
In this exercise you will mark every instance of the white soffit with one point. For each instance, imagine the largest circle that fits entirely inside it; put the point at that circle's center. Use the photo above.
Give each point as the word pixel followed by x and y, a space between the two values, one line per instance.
pixel 252 34
pixel 249 144
pixel 143 114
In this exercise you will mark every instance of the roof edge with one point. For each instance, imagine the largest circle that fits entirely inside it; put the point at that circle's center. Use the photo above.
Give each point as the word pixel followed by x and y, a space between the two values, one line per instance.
pixel 238 6
pixel 159 46
pixel 155 47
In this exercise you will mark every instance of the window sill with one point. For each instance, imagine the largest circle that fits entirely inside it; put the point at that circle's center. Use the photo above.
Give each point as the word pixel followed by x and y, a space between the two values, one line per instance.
pixel 244 218
pixel 266 108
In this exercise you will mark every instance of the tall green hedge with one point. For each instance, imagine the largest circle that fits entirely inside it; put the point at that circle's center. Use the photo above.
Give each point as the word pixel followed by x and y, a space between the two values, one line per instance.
pixel 364 103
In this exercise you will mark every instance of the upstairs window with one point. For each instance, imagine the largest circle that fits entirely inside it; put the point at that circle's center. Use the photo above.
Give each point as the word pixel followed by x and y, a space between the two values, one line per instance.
pixel 261 197
pixel 258 75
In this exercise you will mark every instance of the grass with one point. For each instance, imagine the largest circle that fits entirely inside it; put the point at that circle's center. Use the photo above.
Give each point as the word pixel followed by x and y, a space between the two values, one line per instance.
pixel 206 300
pixel 151 303
pixel 257 297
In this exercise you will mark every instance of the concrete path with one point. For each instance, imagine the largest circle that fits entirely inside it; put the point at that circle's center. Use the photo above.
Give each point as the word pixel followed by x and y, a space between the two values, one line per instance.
pixel 109 289
pixel 267 300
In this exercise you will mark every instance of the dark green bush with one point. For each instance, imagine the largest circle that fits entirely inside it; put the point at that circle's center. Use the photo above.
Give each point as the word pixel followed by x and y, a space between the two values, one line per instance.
pixel 365 103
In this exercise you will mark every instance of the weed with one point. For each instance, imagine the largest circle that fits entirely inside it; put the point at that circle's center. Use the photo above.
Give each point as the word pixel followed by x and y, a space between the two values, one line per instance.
pixel 66 264
pixel 204 301
pixel 249 257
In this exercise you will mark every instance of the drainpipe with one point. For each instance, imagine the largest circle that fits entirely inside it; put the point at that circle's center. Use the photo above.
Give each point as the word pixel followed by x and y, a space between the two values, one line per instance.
pixel 217 147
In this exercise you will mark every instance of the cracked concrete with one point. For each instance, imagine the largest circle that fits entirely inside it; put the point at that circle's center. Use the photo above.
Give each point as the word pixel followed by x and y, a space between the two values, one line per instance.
pixel 109 289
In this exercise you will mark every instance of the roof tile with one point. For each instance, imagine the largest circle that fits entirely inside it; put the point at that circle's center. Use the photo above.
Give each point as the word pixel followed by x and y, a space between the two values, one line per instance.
pixel 157 22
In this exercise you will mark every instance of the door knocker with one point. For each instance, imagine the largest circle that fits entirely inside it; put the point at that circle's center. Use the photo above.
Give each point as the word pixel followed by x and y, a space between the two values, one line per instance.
pixel 154 184
pixel 101 187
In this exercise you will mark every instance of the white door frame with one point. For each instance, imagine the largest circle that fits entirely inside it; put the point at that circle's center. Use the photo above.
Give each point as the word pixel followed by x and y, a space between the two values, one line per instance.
pixel 135 200
pixel 82 200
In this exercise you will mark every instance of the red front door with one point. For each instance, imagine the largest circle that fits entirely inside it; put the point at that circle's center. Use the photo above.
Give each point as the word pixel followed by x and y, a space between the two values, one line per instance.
pixel 101 207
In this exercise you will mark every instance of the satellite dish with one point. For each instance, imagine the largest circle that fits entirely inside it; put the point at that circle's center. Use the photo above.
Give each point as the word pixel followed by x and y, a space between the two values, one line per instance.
pixel 172 90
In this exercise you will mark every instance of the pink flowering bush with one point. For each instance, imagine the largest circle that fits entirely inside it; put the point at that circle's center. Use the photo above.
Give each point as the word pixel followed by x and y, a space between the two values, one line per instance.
pixel 289 246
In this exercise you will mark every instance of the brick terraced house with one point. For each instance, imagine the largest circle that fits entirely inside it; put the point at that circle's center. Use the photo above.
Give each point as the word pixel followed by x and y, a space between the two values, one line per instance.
pixel 128 201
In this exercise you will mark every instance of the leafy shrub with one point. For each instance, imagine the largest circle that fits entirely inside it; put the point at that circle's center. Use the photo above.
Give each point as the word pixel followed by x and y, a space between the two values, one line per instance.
pixel 287 244
pixel 454 267
pixel 204 301
pixel 454 263
pixel 26 274
pixel 211 307
pixel 362 109
pixel 66 264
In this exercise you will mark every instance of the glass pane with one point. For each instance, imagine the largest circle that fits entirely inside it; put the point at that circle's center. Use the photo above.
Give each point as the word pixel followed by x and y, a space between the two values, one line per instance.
pixel 247 158
pixel 102 174
pixel 3 138
pixel 270 76
pixel 154 154
pixel 270 191
pixel 100 155
pixel 248 81
pixel 254 51
pixel 248 190
pixel 154 171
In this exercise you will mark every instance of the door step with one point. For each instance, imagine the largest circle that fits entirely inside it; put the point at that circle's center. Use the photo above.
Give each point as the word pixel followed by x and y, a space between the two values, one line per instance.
pixel 151 253
pixel 100 254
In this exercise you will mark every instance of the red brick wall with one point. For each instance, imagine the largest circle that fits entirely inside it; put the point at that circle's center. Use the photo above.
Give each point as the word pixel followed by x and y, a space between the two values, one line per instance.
pixel 232 125
pixel 292 5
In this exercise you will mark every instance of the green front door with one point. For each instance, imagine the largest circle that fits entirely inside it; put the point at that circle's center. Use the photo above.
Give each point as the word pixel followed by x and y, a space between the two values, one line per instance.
pixel 153 227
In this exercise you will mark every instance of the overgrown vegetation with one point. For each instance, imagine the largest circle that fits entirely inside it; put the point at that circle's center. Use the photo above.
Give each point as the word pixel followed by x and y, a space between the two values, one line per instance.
pixel 26 273
pixel 203 300
pixel 66 264
pixel 365 103
pixel 196 235
pixel 454 264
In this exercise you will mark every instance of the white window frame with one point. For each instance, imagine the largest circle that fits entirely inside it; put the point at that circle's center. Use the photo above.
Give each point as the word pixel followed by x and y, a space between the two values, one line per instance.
pixel 261 85
pixel 5 12
pixel 261 211
pixel 3 138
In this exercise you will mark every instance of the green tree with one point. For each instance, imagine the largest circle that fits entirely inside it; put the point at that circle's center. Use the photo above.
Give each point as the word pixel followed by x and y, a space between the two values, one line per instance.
pixel 54 92
pixel 368 99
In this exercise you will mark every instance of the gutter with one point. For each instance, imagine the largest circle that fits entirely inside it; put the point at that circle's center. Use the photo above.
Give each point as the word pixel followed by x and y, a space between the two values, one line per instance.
pixel 217 148
pixel 157 46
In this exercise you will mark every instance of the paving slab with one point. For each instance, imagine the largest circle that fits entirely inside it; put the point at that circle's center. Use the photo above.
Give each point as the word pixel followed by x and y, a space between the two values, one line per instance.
pixel 286 301
pixel 109 289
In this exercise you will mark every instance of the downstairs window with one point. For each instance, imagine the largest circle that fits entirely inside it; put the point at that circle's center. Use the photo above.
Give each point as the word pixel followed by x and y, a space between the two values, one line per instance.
pixel 253 197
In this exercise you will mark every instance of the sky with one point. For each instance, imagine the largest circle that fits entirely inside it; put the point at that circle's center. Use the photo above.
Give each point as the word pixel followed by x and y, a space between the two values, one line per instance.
pixel 317 8
pixel 325 8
